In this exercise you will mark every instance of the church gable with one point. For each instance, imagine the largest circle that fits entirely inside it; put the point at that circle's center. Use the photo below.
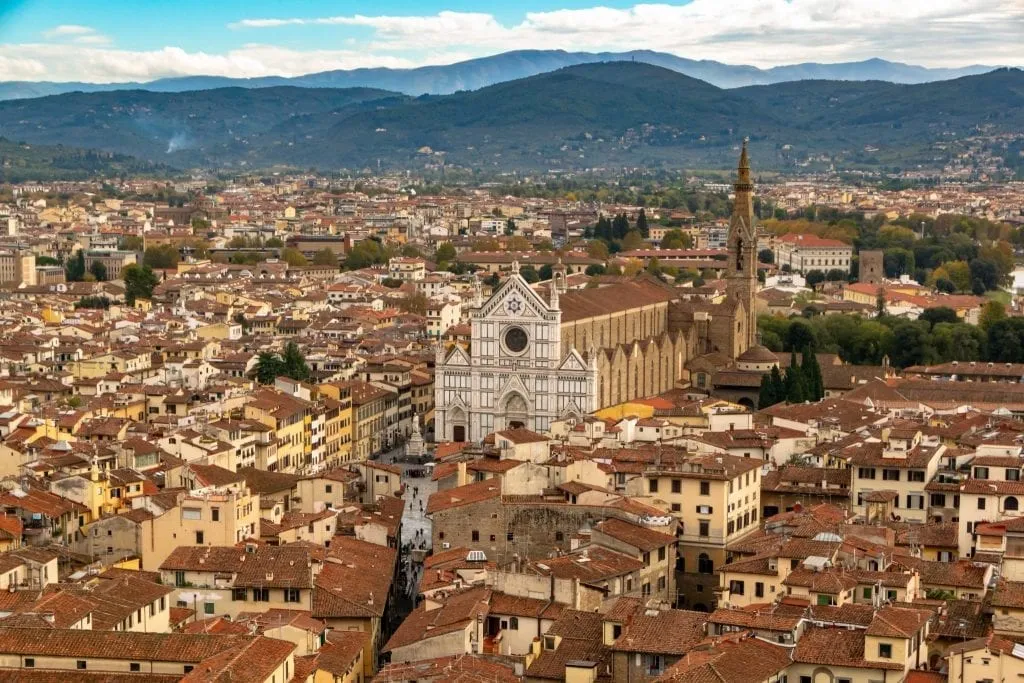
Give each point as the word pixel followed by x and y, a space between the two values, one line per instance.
pixel 573 362
pixel 457 358
pixel 514 297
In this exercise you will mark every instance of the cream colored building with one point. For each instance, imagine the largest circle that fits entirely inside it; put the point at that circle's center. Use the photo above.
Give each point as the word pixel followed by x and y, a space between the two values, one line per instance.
pixel 715 499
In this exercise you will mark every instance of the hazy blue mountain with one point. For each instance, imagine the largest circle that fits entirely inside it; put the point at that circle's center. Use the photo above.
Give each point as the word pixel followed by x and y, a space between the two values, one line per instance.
pixel 605 115
pixel 478 73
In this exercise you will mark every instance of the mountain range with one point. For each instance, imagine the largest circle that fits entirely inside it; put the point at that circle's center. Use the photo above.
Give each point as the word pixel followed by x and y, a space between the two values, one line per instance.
pixel 602 115
pixel 482 72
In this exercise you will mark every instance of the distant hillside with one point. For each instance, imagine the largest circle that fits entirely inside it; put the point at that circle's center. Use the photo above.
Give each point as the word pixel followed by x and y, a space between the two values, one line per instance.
pixel 478 73
pixel 207 127
pixel 21 162
pixel 606 115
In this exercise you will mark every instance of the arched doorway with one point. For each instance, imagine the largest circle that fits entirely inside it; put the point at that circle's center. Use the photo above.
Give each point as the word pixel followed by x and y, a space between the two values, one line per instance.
pixel 516 411
pixel 457 419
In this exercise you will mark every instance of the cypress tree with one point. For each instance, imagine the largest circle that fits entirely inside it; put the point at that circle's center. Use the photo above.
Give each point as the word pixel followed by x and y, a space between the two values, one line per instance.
pixel 641 224
pixel 766 397
pixel 778 384
pixel 811 371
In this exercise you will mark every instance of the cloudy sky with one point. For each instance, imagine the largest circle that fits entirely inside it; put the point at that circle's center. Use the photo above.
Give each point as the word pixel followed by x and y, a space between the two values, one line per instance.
pixel 138 40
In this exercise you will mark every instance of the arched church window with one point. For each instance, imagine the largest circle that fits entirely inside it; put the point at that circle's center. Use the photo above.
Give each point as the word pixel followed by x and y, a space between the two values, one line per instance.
pixel 739 254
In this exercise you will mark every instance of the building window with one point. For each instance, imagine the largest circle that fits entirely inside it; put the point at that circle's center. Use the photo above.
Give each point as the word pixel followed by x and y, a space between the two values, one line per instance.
pixel 215 514
pixel 179 579
pixel 884 651
pixel 867 592
pixel 559 536
pixel 207 608
pixel 677 486
pixel 238 594
pixel 1012 475
pixel 199 538
pixel 704 509
pixel 866 473
pixel 705 565
pixel 135 666
pixel 981 473
pixel 1010 503
pixel 704 528
pixel 510 536
pixel 758 589
pixel 981 503
pixel 891 475
pixel 736 587
pixel 652 485
pixel 261 595
pixel 30 662
pixel 676 507
pixel 705 488
pixel 475 535
pixel 513 623
pixel 80 664
pixel 291 594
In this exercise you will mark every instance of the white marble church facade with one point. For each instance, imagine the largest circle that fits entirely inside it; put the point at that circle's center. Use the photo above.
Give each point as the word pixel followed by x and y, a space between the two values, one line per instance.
pixel 516 373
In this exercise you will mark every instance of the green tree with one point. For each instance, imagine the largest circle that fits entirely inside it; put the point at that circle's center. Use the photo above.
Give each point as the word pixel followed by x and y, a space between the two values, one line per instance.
pixel 799 335
pixel 163 256
pixel 510 227
pixel 130 243
pixel 414 303
pixel 139 282
pixel 74 271
pixel 594 269
pixel 673 239
pixel 293 257
pixel 811 370
pixel 274 243
pixel 364 254
pixel 641 224
pixel 269 367
pixel 814 277
pixel 444 255
pixel 99 271
pixel 778 384
pixel 325 257
pixel 294 363
pixel 766 395
pixel 597 249
pixel 939 314
pixel 632 240
pixel 766 256
pixel 529 273
pixel 993 312
pixel 545 272
pixel 796 385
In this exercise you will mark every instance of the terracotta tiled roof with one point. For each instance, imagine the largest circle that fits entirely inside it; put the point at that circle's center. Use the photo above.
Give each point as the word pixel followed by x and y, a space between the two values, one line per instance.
pixel 735 659
pixel 835 647
pixel 670 632
pixel 458 669
pixel 640 537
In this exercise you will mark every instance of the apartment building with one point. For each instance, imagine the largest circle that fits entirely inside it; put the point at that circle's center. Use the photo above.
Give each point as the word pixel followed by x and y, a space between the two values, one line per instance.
pixel 227 580
pixel 899 466
pixel 716 499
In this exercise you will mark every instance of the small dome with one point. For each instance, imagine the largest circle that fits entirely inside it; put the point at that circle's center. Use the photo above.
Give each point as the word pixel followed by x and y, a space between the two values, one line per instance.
pixel 758 354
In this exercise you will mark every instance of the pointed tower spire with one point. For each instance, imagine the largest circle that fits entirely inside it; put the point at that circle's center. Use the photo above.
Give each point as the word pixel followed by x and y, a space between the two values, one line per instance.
pixel 743 171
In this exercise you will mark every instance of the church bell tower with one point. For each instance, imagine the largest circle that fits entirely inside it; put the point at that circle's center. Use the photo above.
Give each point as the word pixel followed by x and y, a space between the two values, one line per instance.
pixel 742 271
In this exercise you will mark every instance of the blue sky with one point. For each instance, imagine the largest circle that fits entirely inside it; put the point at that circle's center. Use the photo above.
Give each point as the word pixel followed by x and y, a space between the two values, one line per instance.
pixel 121 40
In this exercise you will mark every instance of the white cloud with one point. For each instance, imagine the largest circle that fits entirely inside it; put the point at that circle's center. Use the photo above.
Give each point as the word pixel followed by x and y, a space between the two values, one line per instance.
pixel 76 33
pixel 64 62
pixel 759 32
pixel 68 30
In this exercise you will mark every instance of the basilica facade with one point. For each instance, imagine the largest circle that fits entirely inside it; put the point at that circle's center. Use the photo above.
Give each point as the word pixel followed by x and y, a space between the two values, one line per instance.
pixel 532 360
pixel 515 373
